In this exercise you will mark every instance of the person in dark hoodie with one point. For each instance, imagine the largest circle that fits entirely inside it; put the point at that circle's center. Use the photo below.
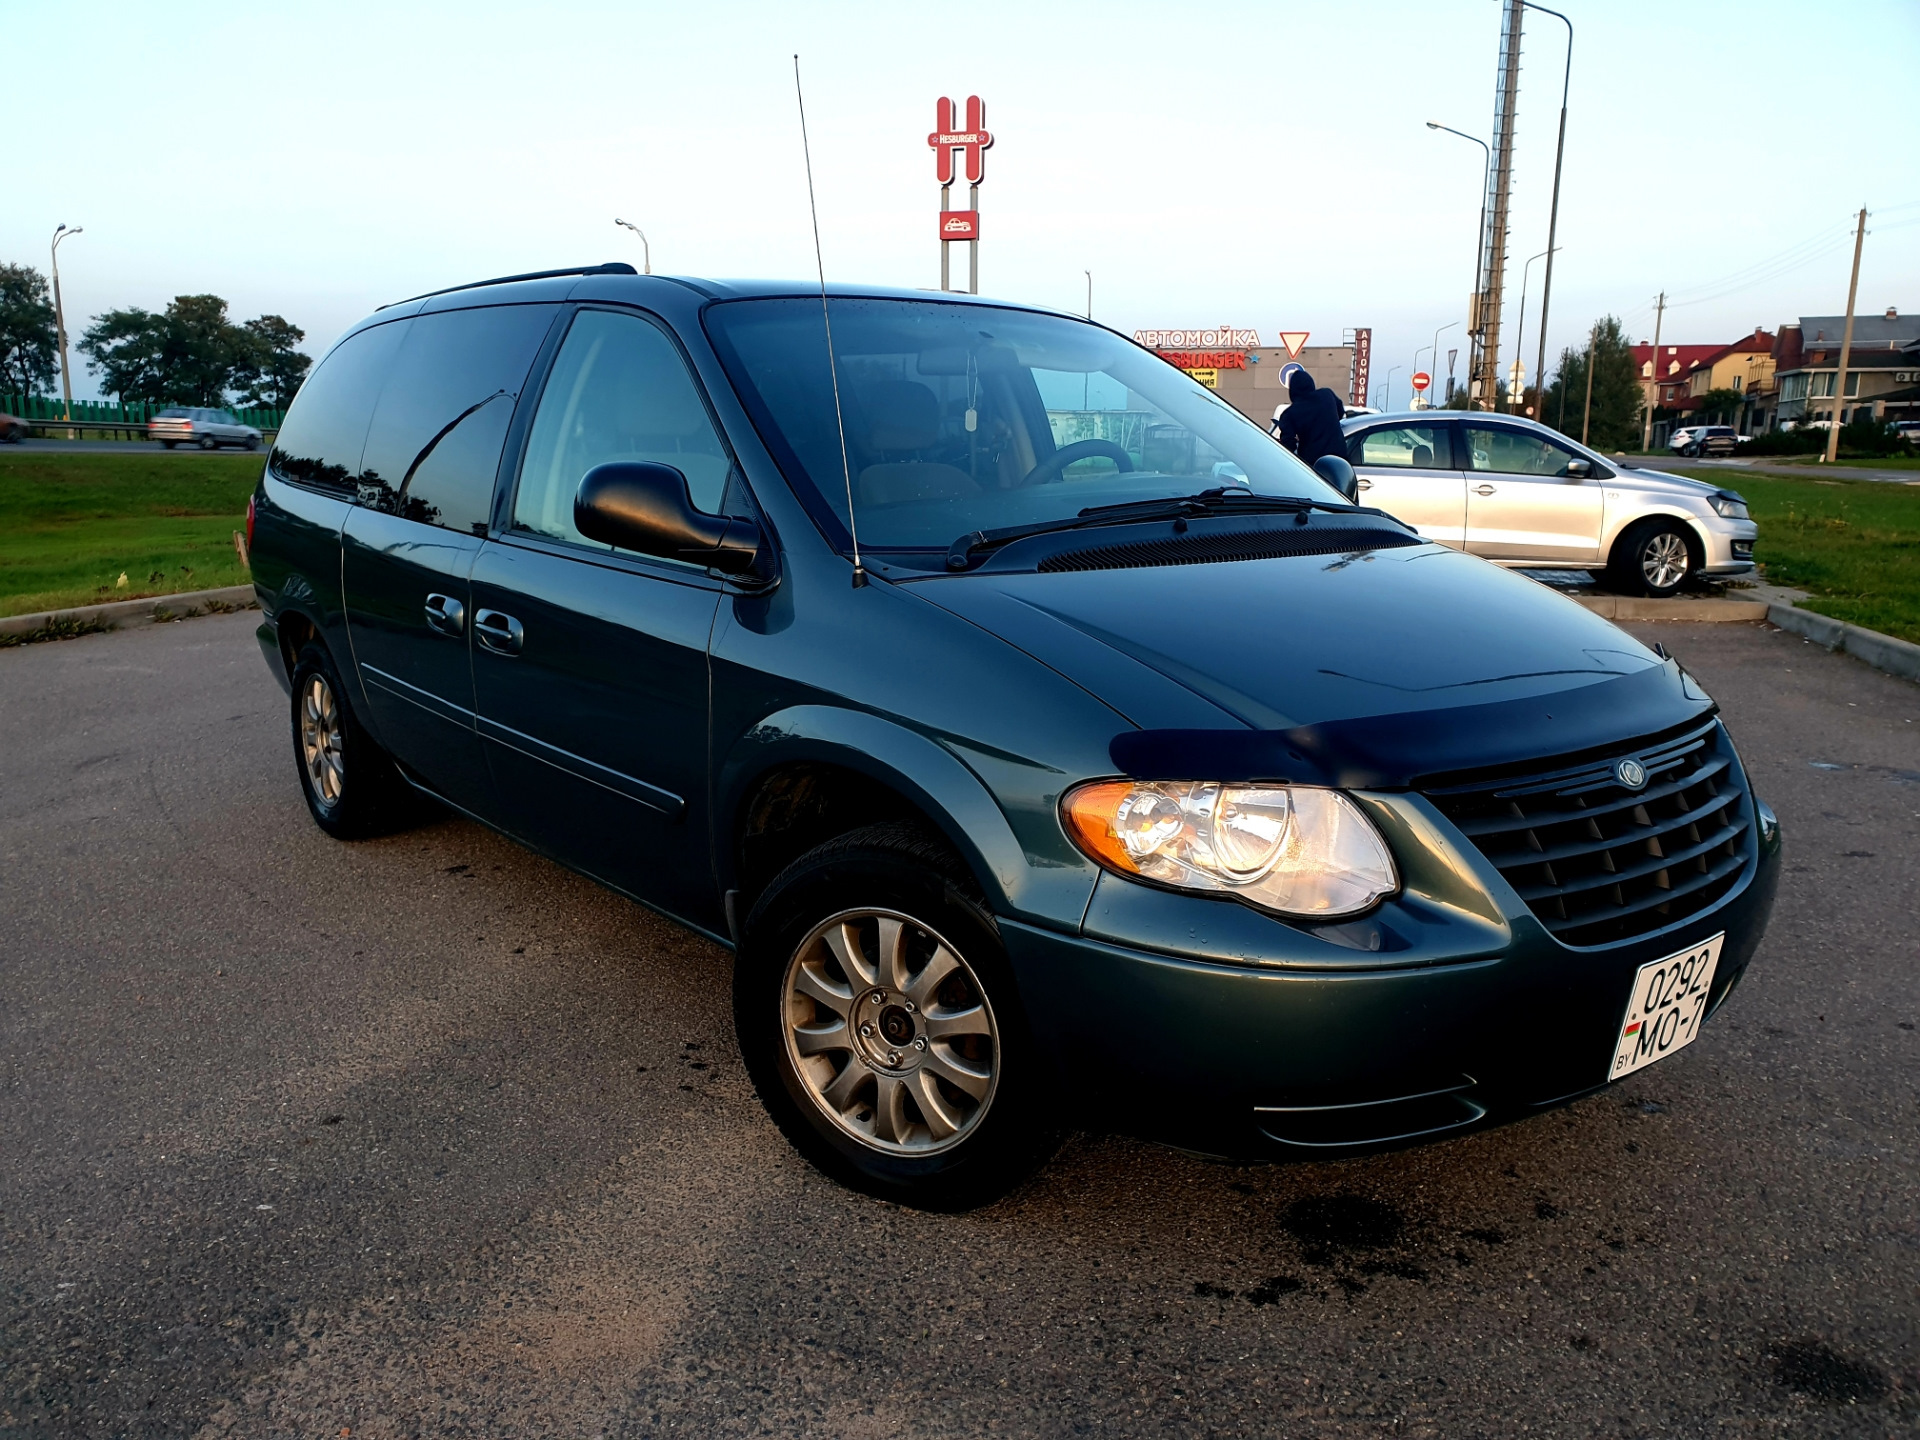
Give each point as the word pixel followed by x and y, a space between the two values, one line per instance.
pixel 1310 426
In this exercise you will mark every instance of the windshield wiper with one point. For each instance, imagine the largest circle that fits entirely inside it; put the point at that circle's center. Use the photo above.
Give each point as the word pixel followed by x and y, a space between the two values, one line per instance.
pixel 1222 500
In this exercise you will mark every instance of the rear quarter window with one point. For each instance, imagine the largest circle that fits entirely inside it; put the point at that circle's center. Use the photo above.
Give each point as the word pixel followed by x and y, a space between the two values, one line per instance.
pixel 320 444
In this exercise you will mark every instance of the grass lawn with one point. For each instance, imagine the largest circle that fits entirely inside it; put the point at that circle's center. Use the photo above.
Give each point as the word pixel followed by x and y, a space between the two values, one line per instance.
pixel 1853 544
pixel 72 525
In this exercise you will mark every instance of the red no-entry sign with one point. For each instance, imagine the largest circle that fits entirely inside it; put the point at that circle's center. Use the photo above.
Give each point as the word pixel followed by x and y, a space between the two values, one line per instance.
pixel 1421 380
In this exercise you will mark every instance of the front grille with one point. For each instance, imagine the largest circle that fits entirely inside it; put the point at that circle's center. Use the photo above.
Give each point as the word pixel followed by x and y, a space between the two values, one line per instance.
pixel 1598 862
pixel 1265 544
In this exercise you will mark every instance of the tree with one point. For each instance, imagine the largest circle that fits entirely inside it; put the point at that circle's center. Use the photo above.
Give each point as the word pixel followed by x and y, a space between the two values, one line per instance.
pixel 193 355
pixel 126 348
pixel 29 344
pixel 270 370
pixel 1617 392
pixel 1721 405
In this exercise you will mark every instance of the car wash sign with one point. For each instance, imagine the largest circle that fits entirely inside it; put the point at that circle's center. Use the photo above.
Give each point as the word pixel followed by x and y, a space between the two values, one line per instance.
pixel 1223 338
pixel 1203 354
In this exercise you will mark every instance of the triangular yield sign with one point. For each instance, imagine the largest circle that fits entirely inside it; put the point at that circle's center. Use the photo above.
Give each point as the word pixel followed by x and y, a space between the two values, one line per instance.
pixel 1295 341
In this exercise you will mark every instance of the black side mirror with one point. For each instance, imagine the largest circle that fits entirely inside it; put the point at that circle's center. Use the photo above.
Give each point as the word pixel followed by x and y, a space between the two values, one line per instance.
pixel 647 508
pixel 1339 474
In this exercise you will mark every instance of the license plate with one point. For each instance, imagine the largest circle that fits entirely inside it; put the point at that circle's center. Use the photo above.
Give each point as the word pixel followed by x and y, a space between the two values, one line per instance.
pixel 1664 1012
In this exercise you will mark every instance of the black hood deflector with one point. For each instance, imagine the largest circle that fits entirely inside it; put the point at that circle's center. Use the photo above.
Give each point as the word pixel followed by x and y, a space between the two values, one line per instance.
pixel 1402 751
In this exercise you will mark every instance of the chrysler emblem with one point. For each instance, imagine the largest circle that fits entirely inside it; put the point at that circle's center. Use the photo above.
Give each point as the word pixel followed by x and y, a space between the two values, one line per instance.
pixel 1630 773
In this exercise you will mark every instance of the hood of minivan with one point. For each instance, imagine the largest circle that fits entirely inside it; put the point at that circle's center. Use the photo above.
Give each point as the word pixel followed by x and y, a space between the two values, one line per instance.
pixel 1282 645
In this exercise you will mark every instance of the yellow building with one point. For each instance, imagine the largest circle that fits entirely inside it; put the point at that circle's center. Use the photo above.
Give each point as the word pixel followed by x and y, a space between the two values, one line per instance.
pixel 1745 366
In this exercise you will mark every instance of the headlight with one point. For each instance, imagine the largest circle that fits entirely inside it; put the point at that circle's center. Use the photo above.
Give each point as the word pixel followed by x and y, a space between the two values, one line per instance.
pixel 1287 848
pixel 1728 505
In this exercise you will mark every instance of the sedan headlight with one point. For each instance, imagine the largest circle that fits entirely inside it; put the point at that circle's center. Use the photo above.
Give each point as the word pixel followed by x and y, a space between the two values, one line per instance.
pixel 1728 505
pixel 1287 848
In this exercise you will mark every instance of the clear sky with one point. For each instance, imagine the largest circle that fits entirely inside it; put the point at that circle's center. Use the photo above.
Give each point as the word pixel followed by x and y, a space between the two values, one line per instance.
pixel 1256 165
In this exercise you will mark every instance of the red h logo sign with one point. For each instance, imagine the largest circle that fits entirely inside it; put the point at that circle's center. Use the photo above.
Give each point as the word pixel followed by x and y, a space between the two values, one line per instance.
pixel 947 138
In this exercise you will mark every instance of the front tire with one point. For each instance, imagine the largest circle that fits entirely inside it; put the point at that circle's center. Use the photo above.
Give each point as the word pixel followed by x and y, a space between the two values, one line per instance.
pixel 1655 558
pixel 878 1016
pixel 351 788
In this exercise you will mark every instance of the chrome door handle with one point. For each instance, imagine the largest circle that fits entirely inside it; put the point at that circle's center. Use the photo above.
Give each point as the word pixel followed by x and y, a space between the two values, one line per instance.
pixel 446 614
pixel 500 633
pixel 1363 485
pixel 1483 490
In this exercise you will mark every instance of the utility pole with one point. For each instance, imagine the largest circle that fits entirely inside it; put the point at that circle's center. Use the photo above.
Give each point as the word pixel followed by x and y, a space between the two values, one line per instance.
pixel 1846 342
pixel 1593 349
pixel 1653 372
pixel 66 371
pixel 1484 387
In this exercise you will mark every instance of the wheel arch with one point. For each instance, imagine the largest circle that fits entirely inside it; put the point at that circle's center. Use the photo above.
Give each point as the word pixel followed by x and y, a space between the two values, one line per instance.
pixel 803 775
pixel 1639 515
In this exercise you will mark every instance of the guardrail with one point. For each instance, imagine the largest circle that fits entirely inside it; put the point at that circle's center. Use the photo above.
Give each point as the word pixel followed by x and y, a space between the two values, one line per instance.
pixel 57 429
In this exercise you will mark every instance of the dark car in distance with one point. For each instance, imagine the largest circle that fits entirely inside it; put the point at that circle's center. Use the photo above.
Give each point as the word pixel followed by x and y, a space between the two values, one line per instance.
pixel 1052 750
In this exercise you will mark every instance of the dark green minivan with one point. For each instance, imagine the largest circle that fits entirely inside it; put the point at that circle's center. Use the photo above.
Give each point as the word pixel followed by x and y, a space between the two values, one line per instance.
pixel 1052 750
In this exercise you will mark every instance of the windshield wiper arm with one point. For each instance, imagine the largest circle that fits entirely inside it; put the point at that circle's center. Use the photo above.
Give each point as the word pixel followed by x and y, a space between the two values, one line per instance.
pixel 1207 502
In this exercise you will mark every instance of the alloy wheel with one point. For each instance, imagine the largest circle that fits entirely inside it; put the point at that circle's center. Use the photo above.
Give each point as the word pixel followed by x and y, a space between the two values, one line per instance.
pixel 1663 560
pixel 321 740
pixel 890 1032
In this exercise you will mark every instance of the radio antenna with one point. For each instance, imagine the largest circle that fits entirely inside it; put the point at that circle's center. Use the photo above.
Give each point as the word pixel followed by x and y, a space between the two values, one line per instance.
pixel 833 369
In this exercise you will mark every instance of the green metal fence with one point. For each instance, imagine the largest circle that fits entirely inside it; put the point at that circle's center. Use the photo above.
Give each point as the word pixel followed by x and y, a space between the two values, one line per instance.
pixel 42 409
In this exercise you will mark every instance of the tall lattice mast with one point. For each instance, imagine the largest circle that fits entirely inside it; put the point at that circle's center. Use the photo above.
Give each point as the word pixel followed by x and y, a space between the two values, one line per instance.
pixel 1493 244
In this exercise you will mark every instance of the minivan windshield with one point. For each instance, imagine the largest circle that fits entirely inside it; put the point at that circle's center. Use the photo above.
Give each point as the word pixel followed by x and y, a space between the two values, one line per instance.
pixel 965 417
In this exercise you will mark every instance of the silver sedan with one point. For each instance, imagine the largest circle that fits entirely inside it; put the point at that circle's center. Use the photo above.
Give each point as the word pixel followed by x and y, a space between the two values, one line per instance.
pixel 207 428
pixel 1525 496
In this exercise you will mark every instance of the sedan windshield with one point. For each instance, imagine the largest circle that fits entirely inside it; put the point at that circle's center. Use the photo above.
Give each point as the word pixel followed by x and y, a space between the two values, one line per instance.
pixel 963 418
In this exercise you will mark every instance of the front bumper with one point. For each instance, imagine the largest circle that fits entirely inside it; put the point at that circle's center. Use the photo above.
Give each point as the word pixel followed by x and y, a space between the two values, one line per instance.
pixel 1216 1028
pixel 1726 545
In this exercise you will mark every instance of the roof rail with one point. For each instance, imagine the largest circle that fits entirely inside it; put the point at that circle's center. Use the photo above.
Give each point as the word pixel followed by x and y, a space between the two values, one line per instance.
pixel 611 267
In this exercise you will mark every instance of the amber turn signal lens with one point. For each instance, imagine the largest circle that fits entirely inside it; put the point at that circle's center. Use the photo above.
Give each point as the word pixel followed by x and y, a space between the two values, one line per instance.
pixel 1090 812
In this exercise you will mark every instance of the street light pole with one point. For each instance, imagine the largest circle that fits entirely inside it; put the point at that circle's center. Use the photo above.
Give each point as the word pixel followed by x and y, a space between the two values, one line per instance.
pixel 60 325
pixel 1389 395
pixel 1553 216
pixel 1520 330
pixel 1473 327
pixel 646 250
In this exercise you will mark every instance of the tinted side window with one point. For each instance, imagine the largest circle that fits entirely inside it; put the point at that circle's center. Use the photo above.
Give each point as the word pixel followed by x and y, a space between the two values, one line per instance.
pixel 618 391
pixel 1404 447
pixel 435 442
pixel 325 431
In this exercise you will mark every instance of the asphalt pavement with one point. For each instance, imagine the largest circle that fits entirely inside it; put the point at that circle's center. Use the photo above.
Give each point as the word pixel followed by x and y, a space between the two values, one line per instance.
pixel 425 1136
pixel 1736 466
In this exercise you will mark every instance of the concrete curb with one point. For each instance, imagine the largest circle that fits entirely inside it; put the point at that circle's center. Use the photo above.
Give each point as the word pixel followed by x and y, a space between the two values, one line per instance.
pixel 1882 652
pixel 1626 607
pixel 118 614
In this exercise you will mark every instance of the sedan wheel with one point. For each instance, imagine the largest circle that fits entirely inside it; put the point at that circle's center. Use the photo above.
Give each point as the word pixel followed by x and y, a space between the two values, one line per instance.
pixel 207 442
pixel 889 1030
pixel 1654 558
